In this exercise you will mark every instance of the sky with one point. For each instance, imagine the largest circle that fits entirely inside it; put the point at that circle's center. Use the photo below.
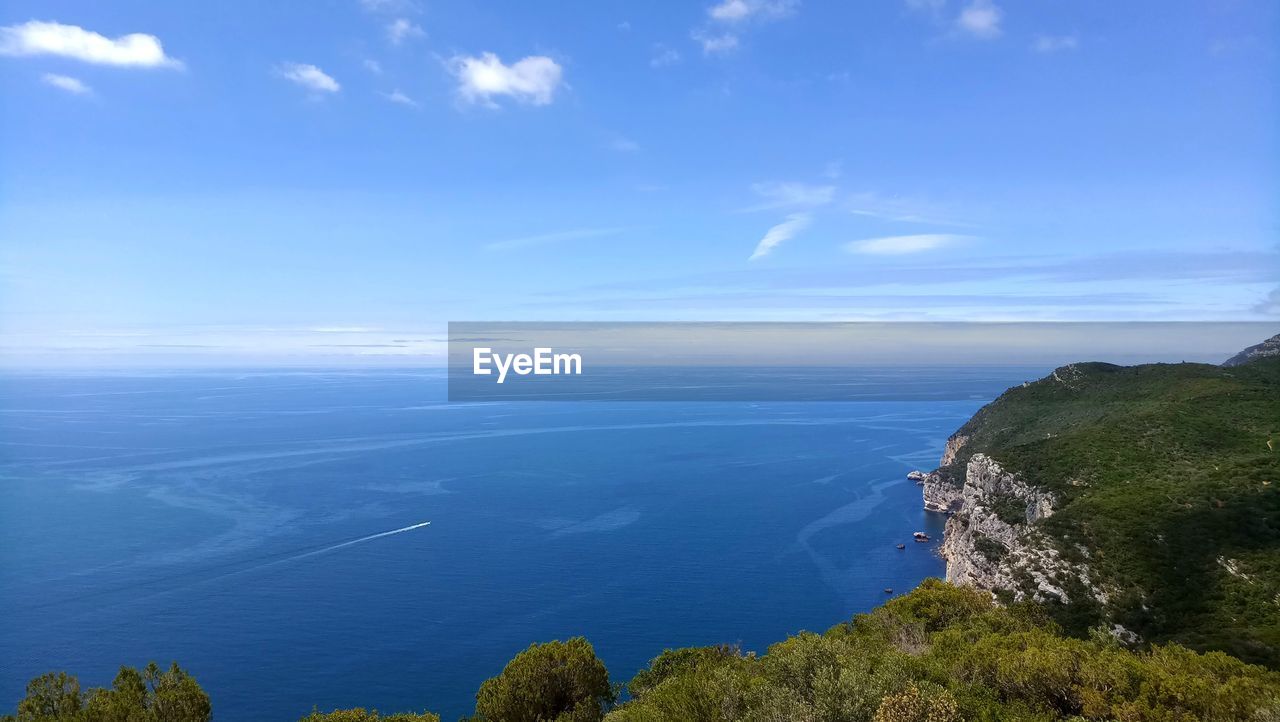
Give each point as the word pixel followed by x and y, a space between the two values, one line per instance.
pixel 331 182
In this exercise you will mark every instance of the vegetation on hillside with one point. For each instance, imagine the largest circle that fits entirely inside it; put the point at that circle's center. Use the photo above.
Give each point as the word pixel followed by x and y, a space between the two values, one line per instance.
pixel 939 654
pixel 944 653
pixel 1168 480
pixel 147 696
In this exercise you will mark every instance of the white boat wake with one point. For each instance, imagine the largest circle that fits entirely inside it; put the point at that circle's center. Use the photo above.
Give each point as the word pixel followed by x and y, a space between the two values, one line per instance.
pixel 348 543
pixel 196 577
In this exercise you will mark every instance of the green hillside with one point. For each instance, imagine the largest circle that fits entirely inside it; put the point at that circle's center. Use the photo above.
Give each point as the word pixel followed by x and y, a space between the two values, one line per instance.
pixel 939 654
pixel 1168 486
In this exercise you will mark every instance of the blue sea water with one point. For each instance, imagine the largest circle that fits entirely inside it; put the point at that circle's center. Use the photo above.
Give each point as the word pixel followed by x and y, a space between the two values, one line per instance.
pixel 236 523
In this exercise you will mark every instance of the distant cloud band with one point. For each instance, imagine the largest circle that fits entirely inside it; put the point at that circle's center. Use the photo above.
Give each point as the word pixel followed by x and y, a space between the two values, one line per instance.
pixel 901 245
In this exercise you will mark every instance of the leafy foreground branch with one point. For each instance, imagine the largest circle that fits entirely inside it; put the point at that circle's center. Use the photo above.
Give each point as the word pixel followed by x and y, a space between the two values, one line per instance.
pixel 939 654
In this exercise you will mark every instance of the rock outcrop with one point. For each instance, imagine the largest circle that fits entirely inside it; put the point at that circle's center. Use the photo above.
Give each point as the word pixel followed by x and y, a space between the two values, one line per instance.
pixel 941 494
pixel 953 447
pixel 1266 349
pixel 992 541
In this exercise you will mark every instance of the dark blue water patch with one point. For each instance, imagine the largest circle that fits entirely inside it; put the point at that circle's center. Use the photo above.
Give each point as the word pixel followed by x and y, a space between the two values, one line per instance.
pixel 223 521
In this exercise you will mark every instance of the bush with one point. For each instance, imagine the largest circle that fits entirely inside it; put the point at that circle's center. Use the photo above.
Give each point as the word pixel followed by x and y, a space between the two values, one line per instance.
pixel 556 681
pixel 146 696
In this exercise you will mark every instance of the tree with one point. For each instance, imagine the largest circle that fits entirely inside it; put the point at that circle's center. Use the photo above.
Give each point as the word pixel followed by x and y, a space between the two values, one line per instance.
pixel 552 682
pixel 52 696
pixel 147 696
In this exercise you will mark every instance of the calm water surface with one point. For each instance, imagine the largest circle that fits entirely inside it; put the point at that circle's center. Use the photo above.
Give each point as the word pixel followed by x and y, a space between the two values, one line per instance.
pixel 222 520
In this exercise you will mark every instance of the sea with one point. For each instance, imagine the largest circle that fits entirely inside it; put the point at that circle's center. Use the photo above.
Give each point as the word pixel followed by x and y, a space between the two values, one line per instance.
pixel 341 538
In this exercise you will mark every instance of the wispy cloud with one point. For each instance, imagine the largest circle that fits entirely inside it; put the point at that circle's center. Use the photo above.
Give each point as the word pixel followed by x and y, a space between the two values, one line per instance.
pixel 791 195
pixel 715 43
pixel 399 98
pixel 1215 269
pixel 902 210
pixel 981 19
pixel 71 41
pixel 372 66
pixel 737 11
pixel 67 83
pixel 553 237
pixel 482 78
pixel 1054 43
pixel 901 245
pixel 308 76
pixel 727 17
pixel 401 29
pixel 780 233
pixel 663 56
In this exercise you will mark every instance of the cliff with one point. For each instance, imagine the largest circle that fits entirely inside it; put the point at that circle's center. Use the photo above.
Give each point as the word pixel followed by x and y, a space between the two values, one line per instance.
pixel 1267 349
pixel 992 542
pixel 1144 500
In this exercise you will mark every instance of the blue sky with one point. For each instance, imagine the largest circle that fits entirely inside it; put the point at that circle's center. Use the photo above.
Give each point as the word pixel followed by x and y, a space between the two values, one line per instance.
pixel 331 182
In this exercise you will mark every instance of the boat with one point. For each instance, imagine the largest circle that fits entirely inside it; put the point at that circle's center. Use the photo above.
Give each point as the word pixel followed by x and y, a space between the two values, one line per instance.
pixel 921 536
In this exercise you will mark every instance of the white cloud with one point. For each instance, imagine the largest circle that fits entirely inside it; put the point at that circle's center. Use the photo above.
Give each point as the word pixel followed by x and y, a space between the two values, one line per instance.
pixel 981 19
pixel 663 56
pixel 1054 43
pixel 730 10
pixel 308 76
pixel 791 195
pixel 373 66
pixel 533 79
pixel 734 11
pixel 713 44
pixel 737 13
pixel 67 83
pixel 399 98
pixel 71 41
pixel 901 245
pixel 400 30
pixel 784 231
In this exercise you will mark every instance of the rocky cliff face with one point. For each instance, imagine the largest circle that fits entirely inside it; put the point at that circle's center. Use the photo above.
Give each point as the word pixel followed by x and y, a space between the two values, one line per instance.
pixel 941 494
pixel 992 541
pixel 1266 349
pixel 953 447
pixel 941 491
